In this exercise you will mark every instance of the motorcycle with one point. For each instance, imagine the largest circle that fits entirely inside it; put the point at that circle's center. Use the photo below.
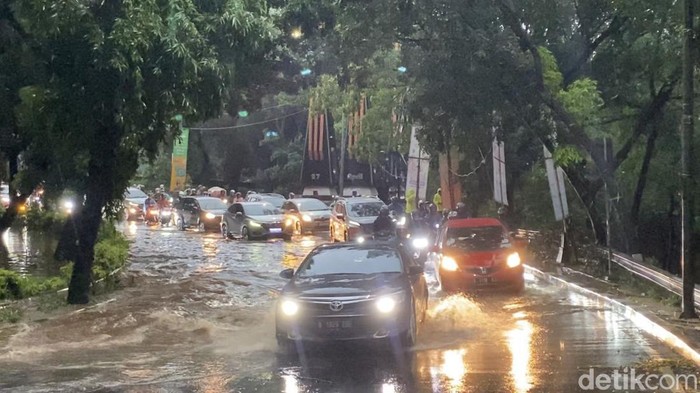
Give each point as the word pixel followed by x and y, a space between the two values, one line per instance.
pixel 165 216
pixel 152 216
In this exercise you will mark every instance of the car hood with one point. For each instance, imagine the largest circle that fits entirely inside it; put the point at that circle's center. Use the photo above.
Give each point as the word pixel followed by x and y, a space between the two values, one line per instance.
pixel 364 220
pixel 477 258
pixel 346 285
pixel 268 219
pixel 318 214
pixel 216 212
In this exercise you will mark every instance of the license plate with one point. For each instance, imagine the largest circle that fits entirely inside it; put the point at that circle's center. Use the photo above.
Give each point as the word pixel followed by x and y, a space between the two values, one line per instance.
pixel 275 230
pixel 483 280
pixel 335 324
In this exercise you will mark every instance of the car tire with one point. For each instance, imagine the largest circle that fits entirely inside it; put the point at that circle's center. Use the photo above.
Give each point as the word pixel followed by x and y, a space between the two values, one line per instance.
pixel 180 224
pixel 245 234
pixel 224 231
pixel 298 229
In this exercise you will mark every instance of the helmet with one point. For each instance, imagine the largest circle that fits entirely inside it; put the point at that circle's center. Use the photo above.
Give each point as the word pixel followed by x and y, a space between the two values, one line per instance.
pixel 384 211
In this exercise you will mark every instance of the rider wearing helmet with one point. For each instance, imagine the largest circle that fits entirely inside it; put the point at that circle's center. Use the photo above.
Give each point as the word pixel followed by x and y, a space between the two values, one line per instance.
pixel 384 224
pixel 461 211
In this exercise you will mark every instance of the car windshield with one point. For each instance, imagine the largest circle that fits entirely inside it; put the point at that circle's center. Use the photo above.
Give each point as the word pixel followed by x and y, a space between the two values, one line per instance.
pixel 260 210
pixel 134 193
pixel 312 205
pixel 476 238
pixel 274 201
pixel 350 260
pixel 212 204
pixel 365 209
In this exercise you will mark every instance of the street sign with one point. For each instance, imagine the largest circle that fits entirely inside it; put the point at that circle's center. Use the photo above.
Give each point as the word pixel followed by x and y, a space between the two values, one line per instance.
pixel 499 172
pixel 557 189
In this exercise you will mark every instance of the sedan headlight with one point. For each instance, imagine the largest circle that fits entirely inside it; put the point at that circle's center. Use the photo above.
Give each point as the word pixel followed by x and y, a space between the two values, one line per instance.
pixel 354 224
pixel 288 222
pixel 254 224
pixel 449 264
pixel 513 260
pixel 210 216
pixel 132 210
pixel 402 221
pixel 306 218
pixel 360 239
pixel 289 307
pixel 386 304
pixel 420 243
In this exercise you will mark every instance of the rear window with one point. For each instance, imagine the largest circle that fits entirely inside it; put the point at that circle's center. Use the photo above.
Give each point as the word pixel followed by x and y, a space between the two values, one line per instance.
pixel 476 238
pixel 135 193
pixel 350 260
pixel 365 209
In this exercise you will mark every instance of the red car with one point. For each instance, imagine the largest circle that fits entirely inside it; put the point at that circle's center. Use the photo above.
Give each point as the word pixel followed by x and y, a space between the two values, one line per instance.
pixel 478 253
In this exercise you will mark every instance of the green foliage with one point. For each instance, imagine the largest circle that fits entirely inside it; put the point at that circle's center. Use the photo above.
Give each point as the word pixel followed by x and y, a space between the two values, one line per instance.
pixel 584 102
pixel 44 219
pixel 286 159
pixel 553 79
pixel 15 286
pixel 566 156
pixel 111 253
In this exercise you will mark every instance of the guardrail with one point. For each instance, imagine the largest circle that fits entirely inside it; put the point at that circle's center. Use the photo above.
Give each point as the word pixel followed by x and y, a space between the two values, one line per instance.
pixel 659 277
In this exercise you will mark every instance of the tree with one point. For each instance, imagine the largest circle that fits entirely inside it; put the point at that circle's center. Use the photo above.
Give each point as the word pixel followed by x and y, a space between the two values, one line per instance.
pixel 117 72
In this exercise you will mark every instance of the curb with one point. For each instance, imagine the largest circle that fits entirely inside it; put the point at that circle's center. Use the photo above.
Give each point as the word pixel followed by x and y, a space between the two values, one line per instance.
pixel 650 325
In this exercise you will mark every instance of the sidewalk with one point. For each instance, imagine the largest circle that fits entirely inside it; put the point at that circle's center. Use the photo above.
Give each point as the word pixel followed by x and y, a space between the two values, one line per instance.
pixel 656 311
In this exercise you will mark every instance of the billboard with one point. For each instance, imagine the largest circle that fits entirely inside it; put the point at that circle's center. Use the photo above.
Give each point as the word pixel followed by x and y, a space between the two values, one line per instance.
pixel 178 166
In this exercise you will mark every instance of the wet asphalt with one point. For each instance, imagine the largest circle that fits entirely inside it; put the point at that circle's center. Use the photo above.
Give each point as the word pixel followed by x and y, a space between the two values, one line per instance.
pixel 197 316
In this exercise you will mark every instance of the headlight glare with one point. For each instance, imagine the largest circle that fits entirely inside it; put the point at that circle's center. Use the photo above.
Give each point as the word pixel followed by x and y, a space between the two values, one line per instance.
pixel 420 243
pixel 306 218
pixel 361 239
pixel 513 260
pixel 254 224
pixel 449 264
pixel 288 222
pixel 289 307
pixel 386 304
pixel 210 216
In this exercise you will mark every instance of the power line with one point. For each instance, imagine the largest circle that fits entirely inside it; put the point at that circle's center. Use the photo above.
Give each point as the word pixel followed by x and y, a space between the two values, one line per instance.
pixel 246 125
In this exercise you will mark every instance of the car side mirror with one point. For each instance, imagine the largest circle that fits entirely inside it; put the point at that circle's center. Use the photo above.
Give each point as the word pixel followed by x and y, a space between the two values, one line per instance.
pixel 287 274
pixel 415 269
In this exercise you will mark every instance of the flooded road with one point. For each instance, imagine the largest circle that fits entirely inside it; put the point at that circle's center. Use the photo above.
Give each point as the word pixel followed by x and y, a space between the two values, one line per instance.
pixel 199 318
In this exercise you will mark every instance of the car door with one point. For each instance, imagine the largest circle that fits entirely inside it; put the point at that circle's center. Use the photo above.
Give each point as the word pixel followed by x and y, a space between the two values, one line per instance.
pixel 194 210
pixel 238 218
pixel 340 223
pixel 228 217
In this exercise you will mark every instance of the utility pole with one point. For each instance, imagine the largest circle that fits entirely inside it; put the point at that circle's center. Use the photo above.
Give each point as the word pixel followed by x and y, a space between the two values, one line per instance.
pixel 687 129
pixel 341 175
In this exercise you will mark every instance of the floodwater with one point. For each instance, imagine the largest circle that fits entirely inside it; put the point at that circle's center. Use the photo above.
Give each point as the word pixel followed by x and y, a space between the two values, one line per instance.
pixel 198 318
pixel 29 252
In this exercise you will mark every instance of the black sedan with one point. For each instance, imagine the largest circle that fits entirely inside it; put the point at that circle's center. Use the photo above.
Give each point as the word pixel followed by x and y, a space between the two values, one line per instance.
pixel 203 213
pixel 252 220
pixel 366 291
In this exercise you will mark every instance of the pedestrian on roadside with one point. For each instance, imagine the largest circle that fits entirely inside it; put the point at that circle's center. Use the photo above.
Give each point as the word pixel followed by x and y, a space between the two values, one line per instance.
pixel 437 199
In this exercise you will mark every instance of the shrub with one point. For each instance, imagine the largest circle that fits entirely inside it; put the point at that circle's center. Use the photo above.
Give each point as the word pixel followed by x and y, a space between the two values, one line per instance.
pixel 15 286
pixel 43 220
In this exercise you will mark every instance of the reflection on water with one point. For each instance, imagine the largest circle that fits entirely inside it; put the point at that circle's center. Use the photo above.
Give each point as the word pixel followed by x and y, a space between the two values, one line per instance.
pixel 29 252
pixel 519 345
pixel 291 385
pixel 454 368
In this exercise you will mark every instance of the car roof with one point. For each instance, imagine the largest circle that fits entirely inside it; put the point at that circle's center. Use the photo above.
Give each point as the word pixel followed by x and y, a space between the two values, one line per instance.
pixel 365 245
pixel 203 198
pixel 304 199
pixel 474 222
pixel 361 200
pixel 244 204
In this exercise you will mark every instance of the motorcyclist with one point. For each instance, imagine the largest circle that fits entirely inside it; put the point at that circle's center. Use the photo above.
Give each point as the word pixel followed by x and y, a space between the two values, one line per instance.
pixel 395 207
pixel 148 205
pixel 461 211
pixel 384 225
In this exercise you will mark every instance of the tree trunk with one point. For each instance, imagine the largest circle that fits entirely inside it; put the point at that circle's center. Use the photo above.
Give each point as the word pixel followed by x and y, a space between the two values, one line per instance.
pixel 100 188
pixel 67 249
pixel 641 184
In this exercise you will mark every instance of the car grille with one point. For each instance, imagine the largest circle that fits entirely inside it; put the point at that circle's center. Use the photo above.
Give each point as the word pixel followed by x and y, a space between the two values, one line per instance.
pixel 497 265
pixel 322 308
pixel 272 225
